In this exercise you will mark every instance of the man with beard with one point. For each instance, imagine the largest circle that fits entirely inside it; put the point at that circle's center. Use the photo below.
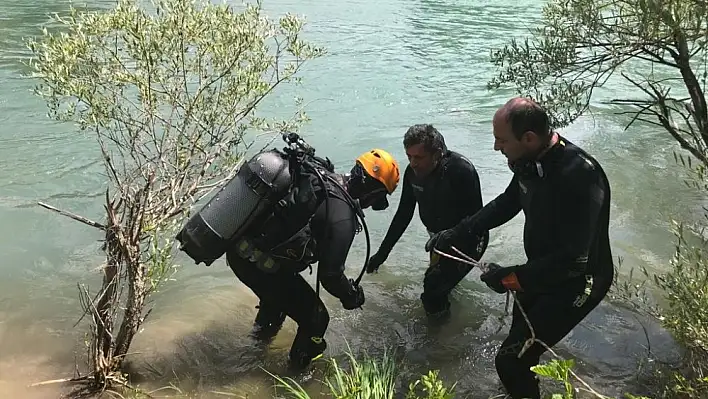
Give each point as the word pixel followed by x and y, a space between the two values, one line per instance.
pixel 445 187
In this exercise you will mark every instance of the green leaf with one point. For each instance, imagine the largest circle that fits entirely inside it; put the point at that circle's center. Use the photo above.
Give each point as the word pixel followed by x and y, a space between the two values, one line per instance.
pixel 555 369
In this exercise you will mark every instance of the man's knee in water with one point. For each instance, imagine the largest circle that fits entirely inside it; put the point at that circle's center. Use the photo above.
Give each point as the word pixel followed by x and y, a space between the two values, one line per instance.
pixel 514 372
pixel 269 320
pixel 439 281
pixel 434 303
pixel 435 294
pixel 434 282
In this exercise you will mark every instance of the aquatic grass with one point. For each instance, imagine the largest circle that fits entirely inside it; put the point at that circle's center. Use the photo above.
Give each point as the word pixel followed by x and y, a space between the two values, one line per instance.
pixel 367 378
pixel 291 387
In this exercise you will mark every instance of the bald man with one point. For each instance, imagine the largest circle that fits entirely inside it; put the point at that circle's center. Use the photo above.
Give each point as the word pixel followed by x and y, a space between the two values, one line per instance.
pixel 565 197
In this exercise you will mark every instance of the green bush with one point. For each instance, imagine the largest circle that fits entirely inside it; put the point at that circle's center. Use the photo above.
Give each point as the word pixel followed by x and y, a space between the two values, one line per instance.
pixel 686 316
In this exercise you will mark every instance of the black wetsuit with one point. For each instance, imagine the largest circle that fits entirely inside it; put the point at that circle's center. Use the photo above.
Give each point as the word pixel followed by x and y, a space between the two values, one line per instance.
pixel 286 293
pixel 569 269
pixel 445 197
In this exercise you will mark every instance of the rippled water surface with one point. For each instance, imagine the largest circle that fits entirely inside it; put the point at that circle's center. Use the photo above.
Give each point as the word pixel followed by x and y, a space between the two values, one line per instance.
pixel 391 64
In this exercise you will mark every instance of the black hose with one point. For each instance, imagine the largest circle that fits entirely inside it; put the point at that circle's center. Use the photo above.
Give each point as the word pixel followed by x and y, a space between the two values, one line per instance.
pixel 327 230
pixel 368 252
pixel 361 216
pixel 359 213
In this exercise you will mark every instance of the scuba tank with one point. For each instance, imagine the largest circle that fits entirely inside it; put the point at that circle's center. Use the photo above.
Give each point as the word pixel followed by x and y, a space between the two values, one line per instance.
pixel 254 192
pixel 257 186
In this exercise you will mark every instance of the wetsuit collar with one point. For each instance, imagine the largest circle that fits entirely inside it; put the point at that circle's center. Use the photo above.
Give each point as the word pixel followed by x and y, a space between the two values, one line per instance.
pixel 534 166
pixel 555 139
pixel 553 142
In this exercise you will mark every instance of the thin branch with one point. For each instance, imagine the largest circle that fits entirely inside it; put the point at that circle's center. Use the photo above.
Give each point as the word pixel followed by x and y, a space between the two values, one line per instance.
pixel 58 381
pixel 658 99
pixel 74 216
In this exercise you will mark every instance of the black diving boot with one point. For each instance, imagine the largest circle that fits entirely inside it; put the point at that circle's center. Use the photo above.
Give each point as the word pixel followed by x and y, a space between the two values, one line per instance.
pixel 306 349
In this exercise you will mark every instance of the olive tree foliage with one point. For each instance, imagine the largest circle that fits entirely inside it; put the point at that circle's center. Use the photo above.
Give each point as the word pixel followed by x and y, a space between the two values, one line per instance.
pixel 658 49
pixel 170 93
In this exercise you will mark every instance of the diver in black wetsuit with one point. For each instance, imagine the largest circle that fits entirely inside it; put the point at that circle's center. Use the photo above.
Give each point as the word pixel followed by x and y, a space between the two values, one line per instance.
pixel 565 196
pixel 281 289
pixel 446 188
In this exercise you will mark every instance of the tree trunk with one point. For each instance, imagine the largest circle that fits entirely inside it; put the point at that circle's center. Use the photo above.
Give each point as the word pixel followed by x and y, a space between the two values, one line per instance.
pixel 103 314
pixel 133 316
pixel 698 99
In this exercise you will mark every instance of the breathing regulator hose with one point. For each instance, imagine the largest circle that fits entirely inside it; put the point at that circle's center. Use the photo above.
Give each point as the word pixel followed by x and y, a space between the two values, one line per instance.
pixel 361 216
pixel 301 152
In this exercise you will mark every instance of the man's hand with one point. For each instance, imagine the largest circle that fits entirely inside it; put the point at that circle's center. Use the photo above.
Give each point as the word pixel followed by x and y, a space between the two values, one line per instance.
pixel 441 240
pixel 500 279
pixel 354 298
pixel 375 262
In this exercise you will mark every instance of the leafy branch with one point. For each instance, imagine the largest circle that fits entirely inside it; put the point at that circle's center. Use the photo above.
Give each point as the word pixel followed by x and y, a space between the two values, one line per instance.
pixel 170 96
pixel 657 46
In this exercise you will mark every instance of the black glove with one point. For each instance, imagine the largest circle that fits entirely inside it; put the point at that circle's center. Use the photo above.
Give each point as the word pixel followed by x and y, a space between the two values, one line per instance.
pixel 375 261
pixel 495 274
pixel 441 240
pixel 354 298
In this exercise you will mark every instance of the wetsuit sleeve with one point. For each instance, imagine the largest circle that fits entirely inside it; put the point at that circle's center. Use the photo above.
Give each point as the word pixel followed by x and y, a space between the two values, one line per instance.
pixel 497 212
pixel 334 250
pixel 402 218
pixel 580 199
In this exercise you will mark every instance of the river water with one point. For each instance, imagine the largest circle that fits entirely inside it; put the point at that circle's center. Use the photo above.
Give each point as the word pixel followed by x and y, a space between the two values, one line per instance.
pixel 391 63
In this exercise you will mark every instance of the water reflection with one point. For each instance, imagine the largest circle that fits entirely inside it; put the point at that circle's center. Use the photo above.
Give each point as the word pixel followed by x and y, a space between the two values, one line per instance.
pixel 22 19
pixel 447 29
pixel 458 36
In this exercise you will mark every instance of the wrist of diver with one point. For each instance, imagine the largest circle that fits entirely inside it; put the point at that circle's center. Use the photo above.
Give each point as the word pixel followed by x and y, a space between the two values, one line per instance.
pixel 502 279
